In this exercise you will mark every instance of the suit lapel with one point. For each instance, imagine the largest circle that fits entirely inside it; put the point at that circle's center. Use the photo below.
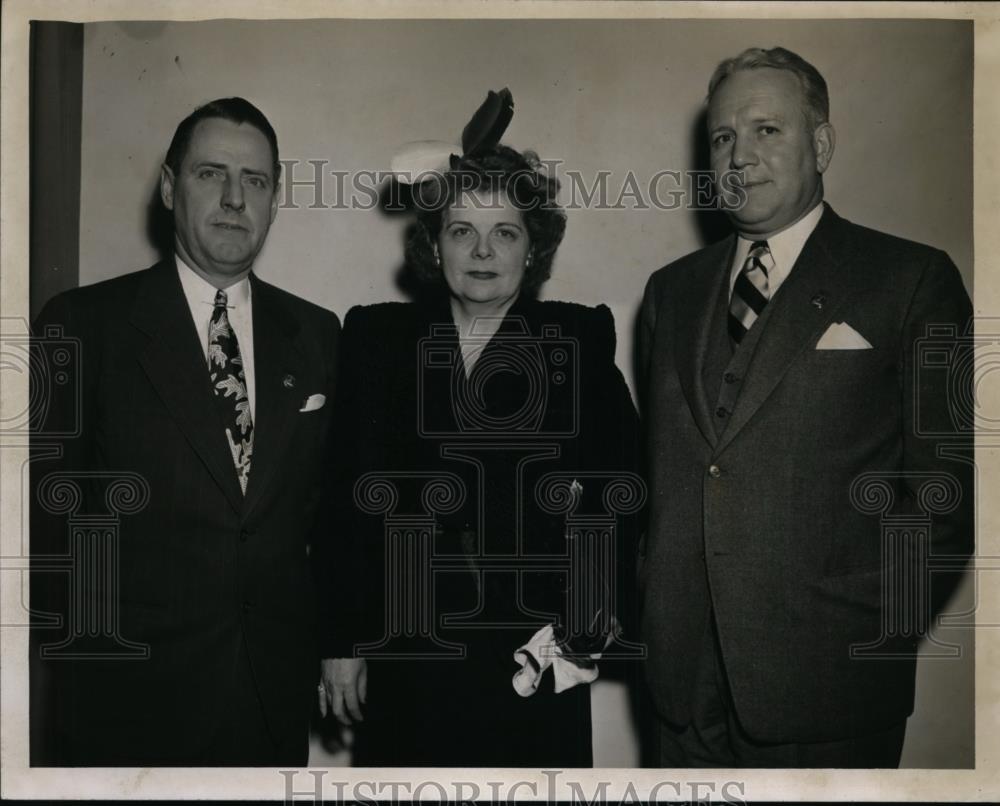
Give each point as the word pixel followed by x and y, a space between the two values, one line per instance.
pixel 807 302
pixel 694 321
pixel 278 385
pixel 174 362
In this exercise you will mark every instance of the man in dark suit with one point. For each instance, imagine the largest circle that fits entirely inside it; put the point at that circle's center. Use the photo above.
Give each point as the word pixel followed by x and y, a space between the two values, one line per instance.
pixel 786 410
pixel 203 398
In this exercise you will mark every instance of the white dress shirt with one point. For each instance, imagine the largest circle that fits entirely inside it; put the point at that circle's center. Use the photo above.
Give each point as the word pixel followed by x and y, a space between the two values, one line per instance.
pixel 785 246
pixel 201 300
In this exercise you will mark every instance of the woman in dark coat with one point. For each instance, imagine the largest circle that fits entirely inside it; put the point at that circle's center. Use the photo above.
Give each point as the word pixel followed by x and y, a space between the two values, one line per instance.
pixel 487 443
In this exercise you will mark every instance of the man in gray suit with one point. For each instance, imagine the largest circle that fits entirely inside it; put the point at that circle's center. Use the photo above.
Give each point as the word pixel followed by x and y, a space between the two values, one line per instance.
pixel 781 387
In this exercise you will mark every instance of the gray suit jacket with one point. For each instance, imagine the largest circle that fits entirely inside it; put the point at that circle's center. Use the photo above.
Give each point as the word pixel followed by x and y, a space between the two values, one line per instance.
pixel 774 520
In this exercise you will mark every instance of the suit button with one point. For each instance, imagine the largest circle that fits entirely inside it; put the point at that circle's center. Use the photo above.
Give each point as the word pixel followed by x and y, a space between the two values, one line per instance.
pixel 729 378
pixel 244 536
pixel 721 412
pixel 247 605
pixel 714 471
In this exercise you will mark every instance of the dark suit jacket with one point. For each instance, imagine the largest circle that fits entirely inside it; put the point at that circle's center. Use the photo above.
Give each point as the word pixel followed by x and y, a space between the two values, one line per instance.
pixel 406 414
pixel 200 567
pixel 756 520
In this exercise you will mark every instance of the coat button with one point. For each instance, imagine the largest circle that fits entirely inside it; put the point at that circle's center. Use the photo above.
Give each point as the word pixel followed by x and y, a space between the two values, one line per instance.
pixel 721 412
pixel 244 536
pixel 247 605
pixel 714 471
pixel 729 377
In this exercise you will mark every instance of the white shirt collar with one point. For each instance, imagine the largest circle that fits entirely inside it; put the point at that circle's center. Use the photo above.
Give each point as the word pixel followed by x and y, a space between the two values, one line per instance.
pixel 198 290
pixel 785 246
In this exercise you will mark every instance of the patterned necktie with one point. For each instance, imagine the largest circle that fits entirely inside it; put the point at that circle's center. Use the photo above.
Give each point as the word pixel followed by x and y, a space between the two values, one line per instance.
pixel 225 365
pixel 751 291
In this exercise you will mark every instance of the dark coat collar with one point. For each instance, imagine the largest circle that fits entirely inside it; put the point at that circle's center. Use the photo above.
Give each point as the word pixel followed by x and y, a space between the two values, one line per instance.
pixel 818 286
pixel 174 361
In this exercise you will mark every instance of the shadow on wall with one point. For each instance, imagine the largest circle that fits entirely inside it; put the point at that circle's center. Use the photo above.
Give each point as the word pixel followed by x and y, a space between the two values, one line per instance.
pixel 159 223
pixel 712 225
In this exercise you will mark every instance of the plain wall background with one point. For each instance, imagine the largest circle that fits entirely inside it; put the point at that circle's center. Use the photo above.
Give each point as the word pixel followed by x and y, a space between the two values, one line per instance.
pixel 599 96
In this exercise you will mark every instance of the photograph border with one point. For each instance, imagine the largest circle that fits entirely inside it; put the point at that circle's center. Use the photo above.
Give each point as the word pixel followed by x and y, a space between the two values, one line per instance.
pixel 21 781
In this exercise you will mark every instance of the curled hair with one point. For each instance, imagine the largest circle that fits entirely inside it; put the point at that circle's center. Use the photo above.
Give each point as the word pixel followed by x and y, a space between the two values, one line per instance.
pixel 817 107
pixel 235 110
pixel 499 169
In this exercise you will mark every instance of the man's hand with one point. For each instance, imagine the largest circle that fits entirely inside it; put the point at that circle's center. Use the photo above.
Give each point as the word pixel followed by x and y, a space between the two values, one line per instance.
pixel 344 688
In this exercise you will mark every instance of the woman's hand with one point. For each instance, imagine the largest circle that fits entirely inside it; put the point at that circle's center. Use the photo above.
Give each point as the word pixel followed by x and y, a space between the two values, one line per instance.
pixel 344 688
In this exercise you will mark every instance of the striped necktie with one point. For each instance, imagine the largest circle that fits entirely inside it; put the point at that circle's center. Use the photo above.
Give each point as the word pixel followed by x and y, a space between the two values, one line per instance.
pixel 751 291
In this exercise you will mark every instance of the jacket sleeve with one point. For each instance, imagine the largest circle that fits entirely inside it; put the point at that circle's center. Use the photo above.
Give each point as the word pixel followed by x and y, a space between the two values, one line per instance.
pixel 326 532
pixel 938 406
pixel 611 448
pixel 340 563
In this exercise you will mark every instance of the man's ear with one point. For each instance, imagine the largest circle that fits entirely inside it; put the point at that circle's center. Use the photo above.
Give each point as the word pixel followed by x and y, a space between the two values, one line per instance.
pixel 824 140
pixel 167 186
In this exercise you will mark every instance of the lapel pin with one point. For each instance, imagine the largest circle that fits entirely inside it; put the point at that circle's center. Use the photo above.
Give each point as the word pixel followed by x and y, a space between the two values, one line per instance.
pixel 289 381
pixel 818 302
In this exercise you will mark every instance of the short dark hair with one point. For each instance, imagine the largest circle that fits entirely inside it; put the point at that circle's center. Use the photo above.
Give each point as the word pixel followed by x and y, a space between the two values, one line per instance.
pixel 813 85
pixel 235 110
pixel 499 169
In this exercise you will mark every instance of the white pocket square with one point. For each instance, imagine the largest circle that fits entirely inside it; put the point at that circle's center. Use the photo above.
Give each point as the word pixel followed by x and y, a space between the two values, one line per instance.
pixel 313 402
pixel 841 336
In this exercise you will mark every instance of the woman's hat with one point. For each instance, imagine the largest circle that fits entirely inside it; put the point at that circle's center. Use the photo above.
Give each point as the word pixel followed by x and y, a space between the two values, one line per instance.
pixel 428 159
